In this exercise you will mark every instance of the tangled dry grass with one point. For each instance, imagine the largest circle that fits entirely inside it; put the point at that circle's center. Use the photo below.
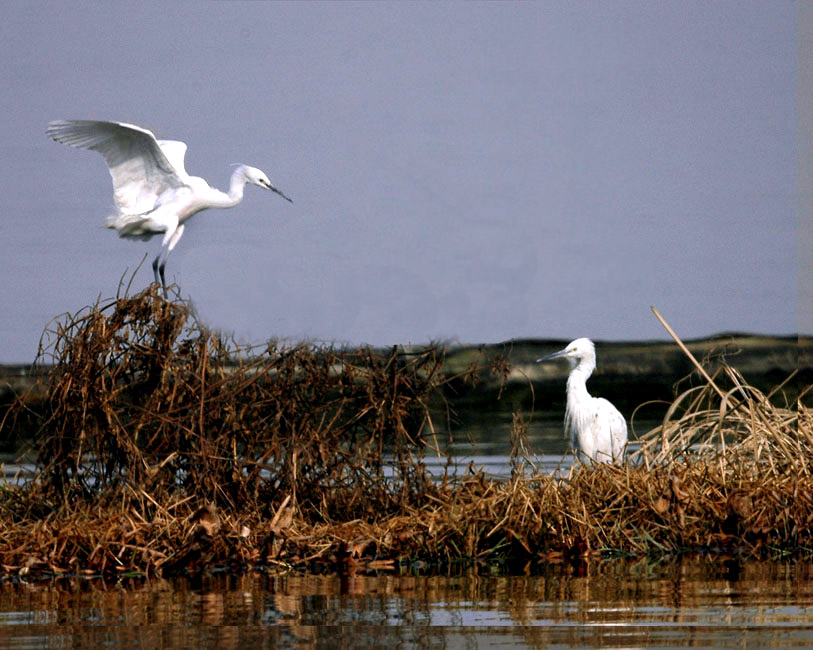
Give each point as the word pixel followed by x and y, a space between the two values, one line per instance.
pixel 164 448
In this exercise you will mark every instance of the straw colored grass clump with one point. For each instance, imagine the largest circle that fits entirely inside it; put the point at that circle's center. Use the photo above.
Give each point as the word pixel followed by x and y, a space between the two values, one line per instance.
pixel 164 448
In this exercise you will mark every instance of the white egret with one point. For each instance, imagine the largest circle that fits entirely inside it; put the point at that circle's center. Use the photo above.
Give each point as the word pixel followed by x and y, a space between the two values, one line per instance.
pixel 152 191
pixel 597 430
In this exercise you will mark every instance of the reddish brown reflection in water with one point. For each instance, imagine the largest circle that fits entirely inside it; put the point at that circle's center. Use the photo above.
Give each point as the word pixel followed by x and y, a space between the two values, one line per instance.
pixel 688 603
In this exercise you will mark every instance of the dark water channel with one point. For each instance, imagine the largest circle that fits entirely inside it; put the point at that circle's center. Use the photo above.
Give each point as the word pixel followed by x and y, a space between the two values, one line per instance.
pixel 697 602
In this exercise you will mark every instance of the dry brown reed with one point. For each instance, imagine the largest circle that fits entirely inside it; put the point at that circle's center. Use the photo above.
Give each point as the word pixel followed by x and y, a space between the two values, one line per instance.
pixel 165 448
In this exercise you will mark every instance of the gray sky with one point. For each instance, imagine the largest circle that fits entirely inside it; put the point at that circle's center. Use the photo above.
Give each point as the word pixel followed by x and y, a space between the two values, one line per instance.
pixel 472 172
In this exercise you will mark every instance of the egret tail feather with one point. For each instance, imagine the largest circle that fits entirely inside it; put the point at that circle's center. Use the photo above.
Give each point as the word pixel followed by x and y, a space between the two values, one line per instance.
pixel 130 226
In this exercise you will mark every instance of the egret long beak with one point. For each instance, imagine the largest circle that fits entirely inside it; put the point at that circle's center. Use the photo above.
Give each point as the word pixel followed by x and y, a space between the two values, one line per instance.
pixel 555 355
pixel 274 189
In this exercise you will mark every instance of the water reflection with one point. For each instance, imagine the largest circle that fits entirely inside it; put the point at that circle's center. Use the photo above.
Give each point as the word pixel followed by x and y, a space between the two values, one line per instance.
pixel 697 603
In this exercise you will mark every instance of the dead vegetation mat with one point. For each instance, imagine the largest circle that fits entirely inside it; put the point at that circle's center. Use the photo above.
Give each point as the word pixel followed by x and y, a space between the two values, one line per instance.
pixel 165 448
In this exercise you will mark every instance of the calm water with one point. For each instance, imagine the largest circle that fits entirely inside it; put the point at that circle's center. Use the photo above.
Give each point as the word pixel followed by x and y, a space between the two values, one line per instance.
pixel 700 603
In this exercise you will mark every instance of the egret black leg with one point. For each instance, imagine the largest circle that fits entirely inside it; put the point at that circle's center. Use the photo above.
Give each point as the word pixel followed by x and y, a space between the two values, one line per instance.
pixel 158 272
pixel 155 268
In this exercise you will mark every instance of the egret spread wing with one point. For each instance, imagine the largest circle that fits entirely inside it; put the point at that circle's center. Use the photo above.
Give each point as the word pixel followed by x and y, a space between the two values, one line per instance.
pixel 140 168
pixel 175 151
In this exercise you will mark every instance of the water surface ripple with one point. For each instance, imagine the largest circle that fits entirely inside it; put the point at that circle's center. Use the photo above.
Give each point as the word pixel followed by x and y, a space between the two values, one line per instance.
pixel 699 602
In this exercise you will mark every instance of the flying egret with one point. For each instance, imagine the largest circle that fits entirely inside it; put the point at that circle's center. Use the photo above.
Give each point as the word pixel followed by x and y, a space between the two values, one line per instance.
pixel 152 191
pixel 597 430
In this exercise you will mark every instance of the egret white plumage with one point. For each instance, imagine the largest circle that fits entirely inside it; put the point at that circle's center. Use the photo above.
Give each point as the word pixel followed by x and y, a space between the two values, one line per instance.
pixel 597 430
pixel 152 191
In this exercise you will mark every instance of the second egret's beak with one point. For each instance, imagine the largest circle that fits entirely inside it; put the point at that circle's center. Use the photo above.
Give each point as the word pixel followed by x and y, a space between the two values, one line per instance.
pixel 274 189
pixel 555 355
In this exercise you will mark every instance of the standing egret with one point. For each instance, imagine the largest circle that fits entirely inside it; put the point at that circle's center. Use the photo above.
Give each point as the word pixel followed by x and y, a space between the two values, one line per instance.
pixel 597 430
pixel 152 191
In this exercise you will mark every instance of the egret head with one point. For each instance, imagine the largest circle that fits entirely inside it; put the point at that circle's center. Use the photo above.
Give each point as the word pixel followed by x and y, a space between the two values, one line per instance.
pixel 257 177
pixel 575 352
